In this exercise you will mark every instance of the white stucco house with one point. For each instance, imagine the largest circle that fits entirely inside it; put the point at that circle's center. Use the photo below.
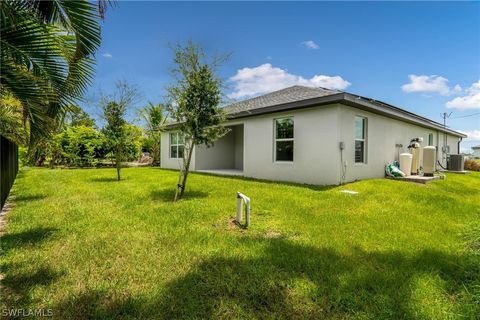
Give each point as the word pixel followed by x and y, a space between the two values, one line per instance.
pixel 311 135
pixel 476 151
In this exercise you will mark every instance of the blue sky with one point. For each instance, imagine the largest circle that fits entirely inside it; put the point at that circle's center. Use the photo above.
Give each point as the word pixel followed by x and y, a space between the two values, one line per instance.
pixel 423 57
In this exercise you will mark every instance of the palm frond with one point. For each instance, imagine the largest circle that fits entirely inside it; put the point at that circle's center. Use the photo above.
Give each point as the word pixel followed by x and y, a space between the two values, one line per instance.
pixel 46 55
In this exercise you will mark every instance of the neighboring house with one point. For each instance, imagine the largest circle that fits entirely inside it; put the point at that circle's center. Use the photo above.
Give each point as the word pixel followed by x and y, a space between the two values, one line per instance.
pixel 476 151
pixel 311 135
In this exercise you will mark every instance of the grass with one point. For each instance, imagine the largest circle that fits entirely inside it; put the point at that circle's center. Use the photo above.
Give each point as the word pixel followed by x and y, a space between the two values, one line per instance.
pixel 86 246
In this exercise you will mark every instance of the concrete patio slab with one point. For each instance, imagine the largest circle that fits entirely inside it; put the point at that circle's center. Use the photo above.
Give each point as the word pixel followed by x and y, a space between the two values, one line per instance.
pixel 223 172
pixel 416 179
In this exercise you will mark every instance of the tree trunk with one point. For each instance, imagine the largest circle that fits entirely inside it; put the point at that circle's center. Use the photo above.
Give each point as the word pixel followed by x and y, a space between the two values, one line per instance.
pixel 156 155
pixel 118 163
pixel 184 175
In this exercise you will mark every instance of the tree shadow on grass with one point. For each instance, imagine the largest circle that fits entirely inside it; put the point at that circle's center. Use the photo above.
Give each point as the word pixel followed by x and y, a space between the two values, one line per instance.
pixel 293 281
pixel 29 198
pixel 17 286
pixel 29 237
pixel 106 179
pixel 98 304
pixel 22 277
pixel 168 195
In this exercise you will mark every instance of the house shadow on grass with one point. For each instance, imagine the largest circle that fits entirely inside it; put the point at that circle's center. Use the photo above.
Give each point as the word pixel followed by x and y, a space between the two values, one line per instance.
pixel 294 281
pixel 168 195
pixel 313 187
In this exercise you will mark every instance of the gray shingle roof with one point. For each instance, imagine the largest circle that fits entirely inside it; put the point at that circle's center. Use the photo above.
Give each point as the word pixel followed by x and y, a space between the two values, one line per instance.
pixel 301 97
pixel 287 95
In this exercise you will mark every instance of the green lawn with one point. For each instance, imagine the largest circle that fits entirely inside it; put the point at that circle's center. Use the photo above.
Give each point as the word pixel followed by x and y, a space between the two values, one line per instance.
pixel 86 246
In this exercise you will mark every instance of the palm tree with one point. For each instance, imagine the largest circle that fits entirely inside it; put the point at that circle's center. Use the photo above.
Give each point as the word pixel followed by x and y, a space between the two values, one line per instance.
pixel 154 117
pixel 47 51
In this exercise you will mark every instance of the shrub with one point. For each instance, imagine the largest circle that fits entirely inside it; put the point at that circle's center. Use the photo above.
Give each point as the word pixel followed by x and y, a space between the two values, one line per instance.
pixel 471 164
pixel 79 146
pixel 135 142
pixel 22 156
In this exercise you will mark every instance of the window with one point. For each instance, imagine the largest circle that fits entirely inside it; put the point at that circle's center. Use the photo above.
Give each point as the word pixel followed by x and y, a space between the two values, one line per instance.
pixel 430 139
pixel 284 139
pixel 360 139
pixel 176 145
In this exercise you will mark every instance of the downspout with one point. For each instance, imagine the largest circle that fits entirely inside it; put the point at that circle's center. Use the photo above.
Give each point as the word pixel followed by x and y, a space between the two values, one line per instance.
pixel 458 146
pixel 341 145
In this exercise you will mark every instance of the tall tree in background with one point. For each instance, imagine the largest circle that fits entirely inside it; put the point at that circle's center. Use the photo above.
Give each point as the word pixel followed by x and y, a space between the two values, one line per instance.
pixel 114 109
pixel 154 117
pixel 76 116
pixel 195 97
pixel 46 61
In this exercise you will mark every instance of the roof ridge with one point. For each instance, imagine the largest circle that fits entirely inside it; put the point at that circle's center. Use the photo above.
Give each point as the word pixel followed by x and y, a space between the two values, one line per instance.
pixel 280 90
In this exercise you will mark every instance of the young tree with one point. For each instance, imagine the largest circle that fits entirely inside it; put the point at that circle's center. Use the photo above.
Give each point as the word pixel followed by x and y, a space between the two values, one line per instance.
pixel 114 131
pixel 195 97
pixel 154 117
pixel 114 109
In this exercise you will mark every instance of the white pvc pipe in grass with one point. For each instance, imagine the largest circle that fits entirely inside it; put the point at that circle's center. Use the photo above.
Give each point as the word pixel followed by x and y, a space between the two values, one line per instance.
pixel 243 199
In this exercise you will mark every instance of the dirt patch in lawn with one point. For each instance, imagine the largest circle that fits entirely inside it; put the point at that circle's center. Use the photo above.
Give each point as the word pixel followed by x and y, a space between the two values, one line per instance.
pixel 272 235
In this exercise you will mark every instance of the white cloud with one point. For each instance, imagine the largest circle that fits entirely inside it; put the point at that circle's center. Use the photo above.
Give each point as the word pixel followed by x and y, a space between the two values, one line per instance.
pixel 425 83
pixel 107 55
pixel 469 101
pixel 310 44
pixel 266 78
pixel 473 135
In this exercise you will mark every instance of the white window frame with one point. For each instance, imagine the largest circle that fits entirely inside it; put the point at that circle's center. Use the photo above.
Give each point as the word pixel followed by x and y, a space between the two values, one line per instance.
pixel 178 133
pixel 432 143
pixel 275 140
pixel 365 139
